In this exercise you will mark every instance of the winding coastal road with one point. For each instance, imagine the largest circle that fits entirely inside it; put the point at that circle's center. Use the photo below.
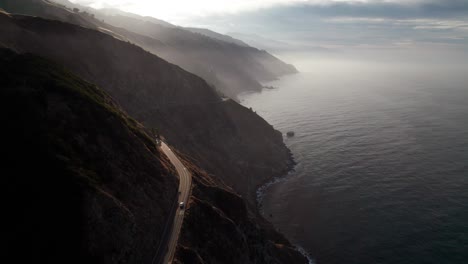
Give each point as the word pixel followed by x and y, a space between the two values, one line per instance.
pixel 185 184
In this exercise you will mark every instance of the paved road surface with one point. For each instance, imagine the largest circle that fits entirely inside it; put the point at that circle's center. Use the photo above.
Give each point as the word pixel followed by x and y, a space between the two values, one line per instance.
pixel 184 192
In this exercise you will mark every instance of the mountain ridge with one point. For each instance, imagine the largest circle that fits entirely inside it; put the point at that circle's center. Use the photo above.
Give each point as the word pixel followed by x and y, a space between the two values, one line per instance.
pixel 226 65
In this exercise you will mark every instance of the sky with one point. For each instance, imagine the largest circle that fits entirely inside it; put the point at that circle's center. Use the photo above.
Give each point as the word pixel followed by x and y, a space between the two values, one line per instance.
pixel 318 25
pixel 178 9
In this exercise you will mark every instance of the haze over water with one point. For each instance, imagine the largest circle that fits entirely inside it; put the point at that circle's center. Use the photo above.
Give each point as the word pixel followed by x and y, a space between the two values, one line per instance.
pixel 382 153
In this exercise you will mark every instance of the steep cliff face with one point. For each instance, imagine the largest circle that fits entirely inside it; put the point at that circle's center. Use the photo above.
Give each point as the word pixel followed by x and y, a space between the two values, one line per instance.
pixel 218 228
pixel 85 184
pixel 220 136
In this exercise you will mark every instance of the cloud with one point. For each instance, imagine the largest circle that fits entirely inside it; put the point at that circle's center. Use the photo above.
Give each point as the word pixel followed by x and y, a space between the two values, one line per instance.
pixel 387 9
pixel 177 11
pixel 324 23
pixel 183 8
pixel 432 24
pixel 397 24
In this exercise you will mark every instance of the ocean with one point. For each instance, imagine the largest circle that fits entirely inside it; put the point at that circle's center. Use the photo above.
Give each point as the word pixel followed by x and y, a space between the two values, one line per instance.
pixel 382 153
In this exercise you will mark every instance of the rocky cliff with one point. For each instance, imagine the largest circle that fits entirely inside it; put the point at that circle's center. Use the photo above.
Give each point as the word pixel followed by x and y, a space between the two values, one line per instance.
pixel 234 235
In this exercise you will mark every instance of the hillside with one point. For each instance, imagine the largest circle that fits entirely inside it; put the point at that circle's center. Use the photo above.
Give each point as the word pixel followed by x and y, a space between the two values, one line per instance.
pixel 222 137
pixel 226 63
pixel 89 185
pixel 86 184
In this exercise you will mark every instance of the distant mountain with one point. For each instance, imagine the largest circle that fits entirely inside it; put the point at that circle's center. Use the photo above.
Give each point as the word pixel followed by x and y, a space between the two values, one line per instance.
pixel 227 64
pixel 261 42
pixel 215 35
pixel 118 12
pixel 278 46
pixel 86 184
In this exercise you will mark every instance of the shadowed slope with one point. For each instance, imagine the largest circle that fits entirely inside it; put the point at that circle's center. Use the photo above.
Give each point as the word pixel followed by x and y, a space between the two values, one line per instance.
pixel 86 184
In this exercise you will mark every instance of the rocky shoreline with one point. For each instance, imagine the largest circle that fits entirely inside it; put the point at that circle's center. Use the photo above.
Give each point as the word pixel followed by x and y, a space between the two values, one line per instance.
pixel 261 193
pixel 274 180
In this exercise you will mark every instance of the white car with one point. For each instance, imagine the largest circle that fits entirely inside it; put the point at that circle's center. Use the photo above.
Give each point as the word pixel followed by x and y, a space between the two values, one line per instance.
pixel 181 205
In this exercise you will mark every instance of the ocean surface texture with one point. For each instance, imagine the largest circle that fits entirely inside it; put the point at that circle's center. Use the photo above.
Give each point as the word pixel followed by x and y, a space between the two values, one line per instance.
pixel 382 152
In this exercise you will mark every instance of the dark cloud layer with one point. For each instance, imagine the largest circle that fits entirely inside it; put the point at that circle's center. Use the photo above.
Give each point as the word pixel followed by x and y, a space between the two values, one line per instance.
pixel 432 9
pixel 353 23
